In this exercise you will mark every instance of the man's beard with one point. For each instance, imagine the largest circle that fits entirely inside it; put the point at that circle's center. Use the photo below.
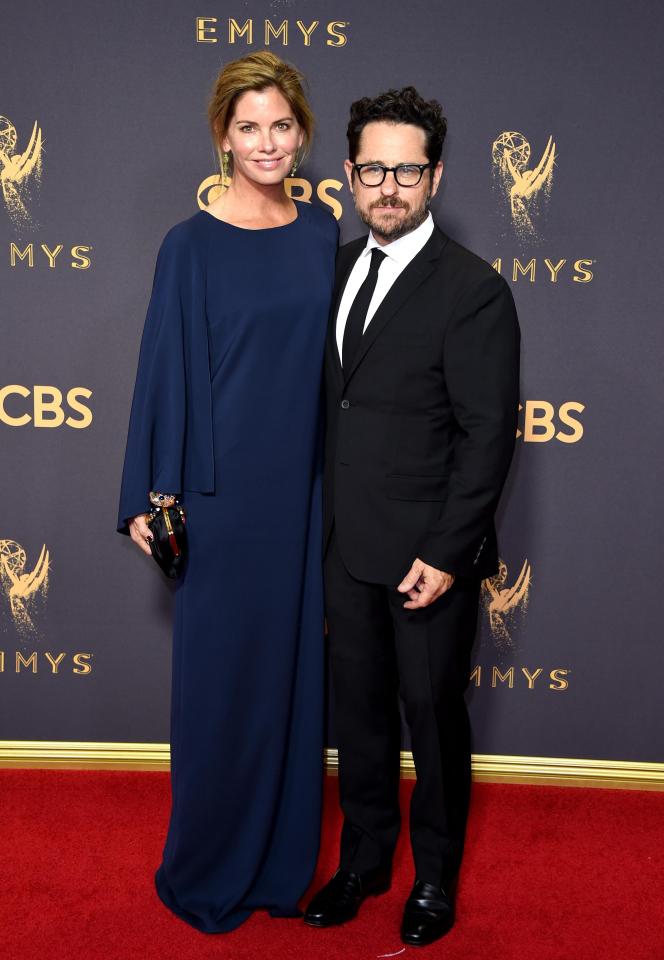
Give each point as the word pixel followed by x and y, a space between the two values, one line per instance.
pixel 400 226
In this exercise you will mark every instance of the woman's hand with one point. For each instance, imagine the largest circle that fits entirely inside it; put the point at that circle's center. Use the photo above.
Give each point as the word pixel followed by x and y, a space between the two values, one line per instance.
pixel 140 532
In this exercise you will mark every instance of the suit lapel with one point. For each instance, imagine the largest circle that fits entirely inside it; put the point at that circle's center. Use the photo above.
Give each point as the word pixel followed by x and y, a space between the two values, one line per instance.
pixel 410 278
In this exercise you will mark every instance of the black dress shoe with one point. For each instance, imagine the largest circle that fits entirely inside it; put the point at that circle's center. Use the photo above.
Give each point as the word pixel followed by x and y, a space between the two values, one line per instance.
pixel 428 914
pixel 340 898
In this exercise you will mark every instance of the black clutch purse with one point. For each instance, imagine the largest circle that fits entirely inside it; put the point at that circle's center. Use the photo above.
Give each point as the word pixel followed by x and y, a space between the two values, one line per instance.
pixel 166 522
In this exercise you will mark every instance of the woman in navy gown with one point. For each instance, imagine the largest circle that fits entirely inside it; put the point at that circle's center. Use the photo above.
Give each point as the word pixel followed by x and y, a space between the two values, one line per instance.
pixel 227 413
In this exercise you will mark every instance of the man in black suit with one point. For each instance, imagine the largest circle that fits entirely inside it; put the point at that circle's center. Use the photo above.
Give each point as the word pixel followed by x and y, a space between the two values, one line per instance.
pixel 422 375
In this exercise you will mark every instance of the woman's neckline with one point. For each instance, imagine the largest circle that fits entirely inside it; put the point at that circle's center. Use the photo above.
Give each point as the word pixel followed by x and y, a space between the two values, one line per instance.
pixel 281 226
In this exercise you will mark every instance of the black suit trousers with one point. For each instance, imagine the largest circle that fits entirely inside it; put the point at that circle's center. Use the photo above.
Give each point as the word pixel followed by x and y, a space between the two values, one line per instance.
pixel 380 651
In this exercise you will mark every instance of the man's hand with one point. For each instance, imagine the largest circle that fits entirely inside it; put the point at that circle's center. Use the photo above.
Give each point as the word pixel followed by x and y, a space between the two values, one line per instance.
pixel 424 584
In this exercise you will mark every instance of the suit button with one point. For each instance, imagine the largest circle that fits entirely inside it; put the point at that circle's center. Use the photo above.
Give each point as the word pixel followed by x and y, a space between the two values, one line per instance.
pixel 345 404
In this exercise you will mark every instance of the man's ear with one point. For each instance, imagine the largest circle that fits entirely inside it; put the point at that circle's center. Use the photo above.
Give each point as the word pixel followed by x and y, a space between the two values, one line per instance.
pixel 350 172
pixel 435 178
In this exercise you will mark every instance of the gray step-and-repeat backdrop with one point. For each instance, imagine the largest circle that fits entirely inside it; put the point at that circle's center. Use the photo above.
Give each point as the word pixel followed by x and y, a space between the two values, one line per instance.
pixel 104 145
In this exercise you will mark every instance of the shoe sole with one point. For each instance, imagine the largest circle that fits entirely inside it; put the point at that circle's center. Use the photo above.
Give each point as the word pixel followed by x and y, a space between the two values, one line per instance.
pixel 424 943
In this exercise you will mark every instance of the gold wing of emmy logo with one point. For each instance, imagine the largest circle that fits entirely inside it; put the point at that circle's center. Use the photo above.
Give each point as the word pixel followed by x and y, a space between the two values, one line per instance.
pixel 502 601
pixel 17 168
pixel 22 587
pixel 511 156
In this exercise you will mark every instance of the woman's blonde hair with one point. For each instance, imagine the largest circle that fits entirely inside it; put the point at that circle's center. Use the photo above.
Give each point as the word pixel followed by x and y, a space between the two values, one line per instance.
pixel 256 72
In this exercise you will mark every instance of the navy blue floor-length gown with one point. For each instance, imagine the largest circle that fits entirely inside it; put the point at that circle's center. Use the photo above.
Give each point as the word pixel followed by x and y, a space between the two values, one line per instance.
pixel 227 410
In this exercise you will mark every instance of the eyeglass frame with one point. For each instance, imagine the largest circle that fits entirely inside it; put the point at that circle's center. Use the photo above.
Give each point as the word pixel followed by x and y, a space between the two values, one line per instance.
pixel 393 170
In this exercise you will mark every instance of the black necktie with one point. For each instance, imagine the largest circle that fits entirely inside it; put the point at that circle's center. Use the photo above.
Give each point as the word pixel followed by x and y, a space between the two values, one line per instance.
pixel 358 311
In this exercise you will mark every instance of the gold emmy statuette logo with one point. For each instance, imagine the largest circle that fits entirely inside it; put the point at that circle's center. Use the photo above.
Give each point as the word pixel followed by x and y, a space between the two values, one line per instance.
pixel 502 601
pixel 523 187
pixel 21 588
pixel 18 169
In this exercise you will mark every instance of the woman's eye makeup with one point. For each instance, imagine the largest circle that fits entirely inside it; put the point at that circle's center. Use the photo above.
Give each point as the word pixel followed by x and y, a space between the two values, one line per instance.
pixel 282 125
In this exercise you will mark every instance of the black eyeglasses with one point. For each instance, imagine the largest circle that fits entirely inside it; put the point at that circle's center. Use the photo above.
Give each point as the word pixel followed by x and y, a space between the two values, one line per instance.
pixel 405 174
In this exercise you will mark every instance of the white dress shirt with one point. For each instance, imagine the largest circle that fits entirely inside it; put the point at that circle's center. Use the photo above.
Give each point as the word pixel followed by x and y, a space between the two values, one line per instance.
pixel 399 253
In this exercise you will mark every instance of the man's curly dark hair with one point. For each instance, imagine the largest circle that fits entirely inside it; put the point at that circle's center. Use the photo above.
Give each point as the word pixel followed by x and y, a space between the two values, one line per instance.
pixel 399 106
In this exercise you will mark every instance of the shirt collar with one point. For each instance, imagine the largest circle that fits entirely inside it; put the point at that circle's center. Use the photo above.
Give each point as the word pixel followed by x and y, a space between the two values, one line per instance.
pixel 404 249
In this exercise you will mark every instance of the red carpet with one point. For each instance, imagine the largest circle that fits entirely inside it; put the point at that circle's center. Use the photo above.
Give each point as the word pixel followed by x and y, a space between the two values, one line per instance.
pixel 549 874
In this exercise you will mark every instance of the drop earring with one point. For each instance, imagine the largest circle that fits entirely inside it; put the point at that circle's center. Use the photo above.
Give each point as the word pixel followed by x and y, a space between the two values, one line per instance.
pixel 294 167
pixel 224 168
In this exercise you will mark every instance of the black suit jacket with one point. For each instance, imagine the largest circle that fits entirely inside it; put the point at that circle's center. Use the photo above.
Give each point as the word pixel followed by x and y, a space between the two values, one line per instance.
pixel 421 430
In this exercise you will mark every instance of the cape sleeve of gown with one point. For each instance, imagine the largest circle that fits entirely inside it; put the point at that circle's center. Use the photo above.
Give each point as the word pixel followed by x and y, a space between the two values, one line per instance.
pixel 169 440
